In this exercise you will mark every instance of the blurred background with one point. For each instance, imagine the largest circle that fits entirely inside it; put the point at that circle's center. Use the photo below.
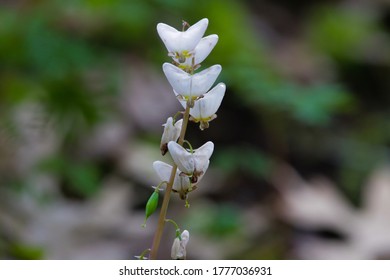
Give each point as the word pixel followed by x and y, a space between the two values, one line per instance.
pixel 301 162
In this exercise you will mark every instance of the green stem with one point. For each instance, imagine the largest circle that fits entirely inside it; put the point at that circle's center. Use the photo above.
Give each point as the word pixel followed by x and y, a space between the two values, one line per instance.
pixel 178 233
pixel 189 145
pixel 167 195
pixel 142 256
pixel 176 115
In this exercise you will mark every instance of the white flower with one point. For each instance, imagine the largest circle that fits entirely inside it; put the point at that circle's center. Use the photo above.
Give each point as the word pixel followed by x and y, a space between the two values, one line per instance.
pixel 205 108
pixel 192 164
pixel 190 87
pixel 181 43
pixel 178 251
pixel 181 184
pixel 175 249
pixel 201 51
pixel 171 133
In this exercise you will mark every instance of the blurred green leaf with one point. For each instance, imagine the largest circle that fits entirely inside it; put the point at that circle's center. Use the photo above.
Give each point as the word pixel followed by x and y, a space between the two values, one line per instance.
pixel 340 32
pixel 243 159
pixel 222 220
pixel 26 252
pixel 80 178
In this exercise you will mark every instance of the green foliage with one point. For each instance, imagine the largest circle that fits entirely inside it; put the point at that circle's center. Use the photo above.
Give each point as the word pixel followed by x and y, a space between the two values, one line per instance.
pixel 70 57
pixel 43 63
pixel 308 105
pixel 25 252
pixel 247 71
pixel 341 33
pixel 80 178
pixel 220 221
pixel 34 44
pixel 243 159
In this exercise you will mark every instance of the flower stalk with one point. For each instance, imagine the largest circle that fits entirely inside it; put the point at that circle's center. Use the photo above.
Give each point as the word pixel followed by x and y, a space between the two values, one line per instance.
pixel 194 91
pixel 167 195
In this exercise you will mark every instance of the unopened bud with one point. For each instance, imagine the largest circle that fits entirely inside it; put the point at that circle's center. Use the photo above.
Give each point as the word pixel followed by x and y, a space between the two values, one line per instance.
pixel 178 251
pixel 175 251
pixel 151 205
pixel 171 133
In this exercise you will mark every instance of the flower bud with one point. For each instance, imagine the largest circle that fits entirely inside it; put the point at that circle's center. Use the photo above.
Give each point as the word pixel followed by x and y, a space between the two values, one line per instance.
pixel 171 133
pixel 175 248
pixel 178 251
pixel 151 205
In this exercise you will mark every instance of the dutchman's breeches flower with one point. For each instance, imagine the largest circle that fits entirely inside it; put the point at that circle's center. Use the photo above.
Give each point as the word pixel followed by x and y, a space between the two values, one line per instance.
pixel 181 44
pixel 178 251
pixel 188 49
pixel 171 133
pixel 181 184
pixel 191 87
pixel 205 108
pixel 201 51
pixel 191 163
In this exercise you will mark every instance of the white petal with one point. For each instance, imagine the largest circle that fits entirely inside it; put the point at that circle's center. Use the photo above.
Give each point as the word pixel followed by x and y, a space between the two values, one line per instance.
pixel 185 237
pixel 164 170
pixel 205 46
pixel 168 35
pixel 203 81
pixel 191 37
pixel 207 106
pixel 205 167
pixel 183 159
pixel 202 156
pixel 191 86
pixel 197 162
pixel 202 50
pixel 168 131
pixel 182 183
pixel 176 251
pixel 171 131
pixel 178 125
pixel 182 102
pixel 178 41
pixel 179 79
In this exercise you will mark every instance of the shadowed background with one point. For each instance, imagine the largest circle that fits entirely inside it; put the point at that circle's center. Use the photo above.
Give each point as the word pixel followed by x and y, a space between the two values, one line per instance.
pixel 300 166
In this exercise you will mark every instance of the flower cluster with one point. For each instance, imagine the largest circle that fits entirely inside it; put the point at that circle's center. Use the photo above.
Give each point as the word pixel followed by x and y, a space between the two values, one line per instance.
pixel 188 48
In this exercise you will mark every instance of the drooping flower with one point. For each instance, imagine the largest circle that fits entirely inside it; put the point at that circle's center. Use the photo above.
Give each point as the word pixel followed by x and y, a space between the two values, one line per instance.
pixel 191 87
pixel 193 163
pixel 175 248
pixel 181 184
pixel 205 108
pixel 178 251
pixel 171 133
pixel 181 44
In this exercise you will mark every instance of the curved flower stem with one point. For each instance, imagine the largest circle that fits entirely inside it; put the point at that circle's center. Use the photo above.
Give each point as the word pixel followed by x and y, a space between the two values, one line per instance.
pixel 176 227
pixel 167 196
